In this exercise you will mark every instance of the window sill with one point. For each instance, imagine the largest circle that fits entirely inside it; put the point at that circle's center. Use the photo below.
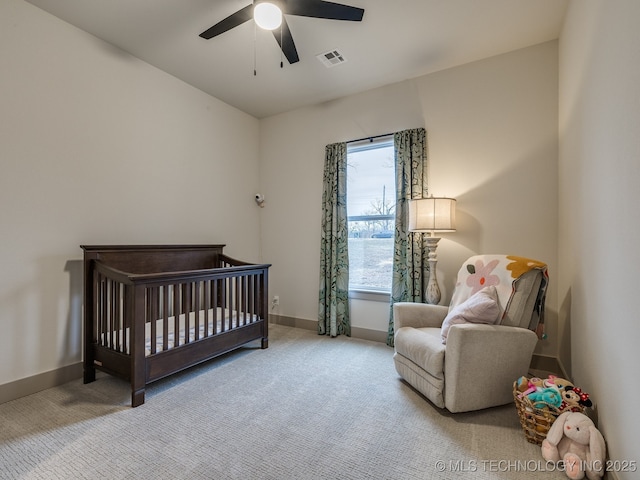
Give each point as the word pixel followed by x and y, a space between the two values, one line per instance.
pixel 370 295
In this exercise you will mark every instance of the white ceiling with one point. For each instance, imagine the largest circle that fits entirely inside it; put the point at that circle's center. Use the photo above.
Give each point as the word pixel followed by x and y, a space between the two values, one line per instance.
pixel 397 40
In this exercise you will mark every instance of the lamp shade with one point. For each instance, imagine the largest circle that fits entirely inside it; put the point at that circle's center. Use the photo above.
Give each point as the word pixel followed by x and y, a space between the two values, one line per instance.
pixel 432 214
pixel 267 15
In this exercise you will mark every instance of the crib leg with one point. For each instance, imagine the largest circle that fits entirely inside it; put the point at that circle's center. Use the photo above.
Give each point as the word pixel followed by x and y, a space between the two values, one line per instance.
pixel 265 343
pixel 137 398
pixel 89 374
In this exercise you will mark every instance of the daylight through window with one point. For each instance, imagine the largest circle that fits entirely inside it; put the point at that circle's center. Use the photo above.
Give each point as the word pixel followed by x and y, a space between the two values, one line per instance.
pixel 371 213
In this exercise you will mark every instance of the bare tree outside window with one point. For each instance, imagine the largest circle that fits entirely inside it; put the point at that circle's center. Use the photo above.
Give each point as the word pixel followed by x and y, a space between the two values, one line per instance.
pixel 371 214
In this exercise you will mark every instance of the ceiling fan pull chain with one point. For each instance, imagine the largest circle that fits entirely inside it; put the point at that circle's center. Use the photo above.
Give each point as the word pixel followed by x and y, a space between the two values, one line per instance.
pixel 254 49
pixel 281 49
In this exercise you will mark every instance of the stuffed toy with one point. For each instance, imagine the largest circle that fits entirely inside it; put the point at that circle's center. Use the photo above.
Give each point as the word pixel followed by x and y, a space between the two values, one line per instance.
pixel 574 439
pixel 536 382
pixel 522 384
pixel 533 384
pixel 558 382
pixel 546 397
pixel 570 401
pixel 582 397
pixel 574 399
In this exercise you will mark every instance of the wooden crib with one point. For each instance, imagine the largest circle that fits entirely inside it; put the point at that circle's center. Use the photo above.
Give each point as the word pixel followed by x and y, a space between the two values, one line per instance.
pixel 153 310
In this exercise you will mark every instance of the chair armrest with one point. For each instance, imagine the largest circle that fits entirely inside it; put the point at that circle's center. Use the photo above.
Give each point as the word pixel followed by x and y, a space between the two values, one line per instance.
pixel 418 315
pixel 482 362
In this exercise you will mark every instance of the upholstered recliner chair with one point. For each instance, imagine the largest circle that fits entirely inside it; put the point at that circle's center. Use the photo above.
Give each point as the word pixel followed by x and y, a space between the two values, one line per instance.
pixel 489 330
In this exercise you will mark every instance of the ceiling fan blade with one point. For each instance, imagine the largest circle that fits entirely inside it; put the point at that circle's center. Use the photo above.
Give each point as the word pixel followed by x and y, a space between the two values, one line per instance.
pixel 322 9
pixel 238 18
pixel 285 40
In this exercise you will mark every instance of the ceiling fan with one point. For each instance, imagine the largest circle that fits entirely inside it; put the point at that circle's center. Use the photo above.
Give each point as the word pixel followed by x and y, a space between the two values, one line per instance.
pixel 304 8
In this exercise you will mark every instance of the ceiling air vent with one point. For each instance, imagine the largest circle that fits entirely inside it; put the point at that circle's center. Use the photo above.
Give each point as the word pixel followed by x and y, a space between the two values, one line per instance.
pixel 331 58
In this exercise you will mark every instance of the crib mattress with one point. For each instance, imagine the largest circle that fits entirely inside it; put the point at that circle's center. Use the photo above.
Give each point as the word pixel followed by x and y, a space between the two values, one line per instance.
pixel 224 319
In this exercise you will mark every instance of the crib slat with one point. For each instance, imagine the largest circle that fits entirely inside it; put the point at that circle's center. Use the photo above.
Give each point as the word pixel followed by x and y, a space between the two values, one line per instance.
pixel 245 309
pixel 214 306
pixel 99 316
pixel 242 316
pixel 103 313
pixel 118 319
pixel 232 295
pixel 250 297
pixel 238 299
pixel 223 304
pixel 112 315
pixel 254 300
pixel 207 306
pixel 127 322
pixel 233 307
pixel 176 315
pixel 249 306
pixel 107 311
pixel 152 315
pixel 165 318
pixel 196 309
pixel 99 308
pixel 186 310
pixel 229 303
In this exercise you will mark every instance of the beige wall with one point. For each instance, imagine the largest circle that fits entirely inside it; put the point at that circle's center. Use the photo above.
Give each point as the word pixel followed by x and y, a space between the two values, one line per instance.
pixel 492 133
pixel 99 147
pixel 599 228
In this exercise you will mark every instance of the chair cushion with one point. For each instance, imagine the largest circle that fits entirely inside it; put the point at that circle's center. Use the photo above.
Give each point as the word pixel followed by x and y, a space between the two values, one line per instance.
pixel 423 346
pixel 481 307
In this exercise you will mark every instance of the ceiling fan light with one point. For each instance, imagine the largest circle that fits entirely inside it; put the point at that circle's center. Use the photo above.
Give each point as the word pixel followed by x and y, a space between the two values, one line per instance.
pixel 267 15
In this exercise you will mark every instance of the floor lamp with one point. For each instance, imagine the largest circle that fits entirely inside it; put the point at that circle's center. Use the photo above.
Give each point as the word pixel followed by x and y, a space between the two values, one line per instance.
pixel 431 215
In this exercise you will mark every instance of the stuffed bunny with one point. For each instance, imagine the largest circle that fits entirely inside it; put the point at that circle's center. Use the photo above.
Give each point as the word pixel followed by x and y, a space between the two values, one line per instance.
pixel 575 440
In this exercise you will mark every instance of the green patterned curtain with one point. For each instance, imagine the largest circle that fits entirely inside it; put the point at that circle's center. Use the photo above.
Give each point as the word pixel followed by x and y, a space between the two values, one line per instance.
pixel 333 308
pixel 410 266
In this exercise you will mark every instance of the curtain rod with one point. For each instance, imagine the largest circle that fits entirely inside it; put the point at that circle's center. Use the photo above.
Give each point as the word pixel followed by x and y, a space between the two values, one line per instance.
pixel 371 139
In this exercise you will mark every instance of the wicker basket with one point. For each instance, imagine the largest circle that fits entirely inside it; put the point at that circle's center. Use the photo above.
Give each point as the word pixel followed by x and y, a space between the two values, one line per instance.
pixel 535 421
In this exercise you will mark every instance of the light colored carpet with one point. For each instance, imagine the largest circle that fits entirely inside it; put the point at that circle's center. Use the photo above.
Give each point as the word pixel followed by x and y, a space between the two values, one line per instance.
pixel 308 407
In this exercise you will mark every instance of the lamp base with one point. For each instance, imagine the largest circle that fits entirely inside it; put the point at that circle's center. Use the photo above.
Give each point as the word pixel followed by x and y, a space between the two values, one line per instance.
pixel 432 291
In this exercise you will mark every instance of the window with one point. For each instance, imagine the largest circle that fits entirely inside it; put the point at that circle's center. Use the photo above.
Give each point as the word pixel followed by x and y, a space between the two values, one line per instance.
pixel 371 213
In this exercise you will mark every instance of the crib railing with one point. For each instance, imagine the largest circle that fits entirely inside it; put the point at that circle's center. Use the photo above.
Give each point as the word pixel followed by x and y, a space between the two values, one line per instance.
pixel 179 307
